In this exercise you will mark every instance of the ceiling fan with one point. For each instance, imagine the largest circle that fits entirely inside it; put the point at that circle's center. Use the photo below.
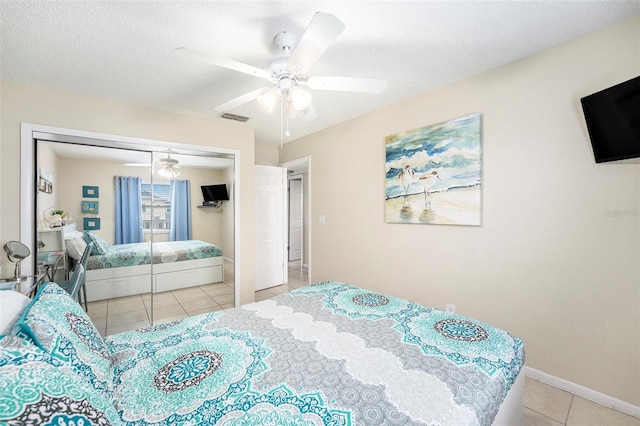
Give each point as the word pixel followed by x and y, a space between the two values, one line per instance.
pixel 166 167
pixel 287 72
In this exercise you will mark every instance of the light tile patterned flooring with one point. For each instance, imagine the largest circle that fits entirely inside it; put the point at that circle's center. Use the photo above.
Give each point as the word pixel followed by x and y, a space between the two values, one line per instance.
pixel 544 405
pixel 129 313
pixel 133 312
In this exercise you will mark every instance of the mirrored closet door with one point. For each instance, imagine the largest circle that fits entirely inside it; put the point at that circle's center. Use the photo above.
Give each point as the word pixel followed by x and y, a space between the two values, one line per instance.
pixel 159 247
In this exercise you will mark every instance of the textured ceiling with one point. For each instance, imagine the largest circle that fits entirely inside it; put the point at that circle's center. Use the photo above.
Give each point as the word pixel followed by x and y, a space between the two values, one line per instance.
pixel 124 50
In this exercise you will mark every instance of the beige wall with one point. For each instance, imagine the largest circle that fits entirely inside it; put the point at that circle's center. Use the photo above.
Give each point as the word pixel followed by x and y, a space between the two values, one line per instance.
pixel 32 105
pixel 552 263
pixel 48 160
pixel 267 154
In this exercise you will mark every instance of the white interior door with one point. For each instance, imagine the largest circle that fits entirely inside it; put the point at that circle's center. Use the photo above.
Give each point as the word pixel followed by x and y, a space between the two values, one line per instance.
pixel 270 229
pixel 295 219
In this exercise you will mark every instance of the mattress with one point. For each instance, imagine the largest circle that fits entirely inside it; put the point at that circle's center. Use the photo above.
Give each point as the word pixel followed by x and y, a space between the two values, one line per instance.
pixel 122 255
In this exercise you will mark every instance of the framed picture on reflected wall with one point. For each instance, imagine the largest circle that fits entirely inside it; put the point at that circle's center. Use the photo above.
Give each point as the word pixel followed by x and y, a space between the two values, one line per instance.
pixel 45 182
pixel 90 192
pixel 90 207
pixel 91 224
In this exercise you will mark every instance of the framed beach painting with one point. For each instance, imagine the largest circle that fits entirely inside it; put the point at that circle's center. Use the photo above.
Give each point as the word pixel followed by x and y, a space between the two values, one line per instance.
pixel 434 174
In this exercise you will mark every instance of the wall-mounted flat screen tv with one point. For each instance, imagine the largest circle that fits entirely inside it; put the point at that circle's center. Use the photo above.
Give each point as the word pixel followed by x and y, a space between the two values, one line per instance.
pixel 613 121
pixel 215 193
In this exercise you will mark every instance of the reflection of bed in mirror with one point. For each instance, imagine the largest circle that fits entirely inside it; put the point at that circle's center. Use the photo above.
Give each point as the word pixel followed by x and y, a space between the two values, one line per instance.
pixel 126 269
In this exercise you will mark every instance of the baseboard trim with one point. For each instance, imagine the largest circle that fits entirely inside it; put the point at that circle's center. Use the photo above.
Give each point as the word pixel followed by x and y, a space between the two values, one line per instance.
pixel 584 392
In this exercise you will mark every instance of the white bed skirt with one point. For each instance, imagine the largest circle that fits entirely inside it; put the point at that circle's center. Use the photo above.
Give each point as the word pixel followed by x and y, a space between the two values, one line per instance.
pixel 511 412
pixel 127 281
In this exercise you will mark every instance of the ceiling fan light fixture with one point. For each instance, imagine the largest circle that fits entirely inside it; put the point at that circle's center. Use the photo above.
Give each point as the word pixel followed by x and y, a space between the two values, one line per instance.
pixel 269 99
pixel 168 172
pixel 300 98
pixel 287 72
pixel 293 113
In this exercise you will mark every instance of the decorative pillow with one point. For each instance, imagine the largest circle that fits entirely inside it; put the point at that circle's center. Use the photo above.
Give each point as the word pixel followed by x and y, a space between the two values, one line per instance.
pixel 60 327
pixel 76 246
pixel 70 235
pixel 38 389
pixel 99 245
pixel 17 351
pixel 12 304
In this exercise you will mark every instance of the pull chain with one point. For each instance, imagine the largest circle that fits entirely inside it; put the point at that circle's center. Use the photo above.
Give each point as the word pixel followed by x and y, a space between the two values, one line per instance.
pixel 287 132
pixel 281 120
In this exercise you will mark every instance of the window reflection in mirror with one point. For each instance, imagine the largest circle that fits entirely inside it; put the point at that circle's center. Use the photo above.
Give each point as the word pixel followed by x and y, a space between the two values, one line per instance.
pixel 170 257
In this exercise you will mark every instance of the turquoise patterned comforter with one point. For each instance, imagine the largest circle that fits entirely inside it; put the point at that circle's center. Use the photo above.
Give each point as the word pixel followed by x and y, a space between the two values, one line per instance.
pixel 121 255
pixel 326 354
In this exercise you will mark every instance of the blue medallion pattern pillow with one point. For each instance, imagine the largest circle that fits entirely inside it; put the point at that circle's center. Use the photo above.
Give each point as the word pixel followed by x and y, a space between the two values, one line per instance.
pixel 61 328
pixel 38 389
pixel 99 245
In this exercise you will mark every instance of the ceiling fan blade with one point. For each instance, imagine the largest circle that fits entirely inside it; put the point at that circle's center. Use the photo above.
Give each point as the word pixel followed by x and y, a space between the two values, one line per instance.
pixel 322 31
pixel 347 84
pixel 310 114
pixel 240 100
pixel 223 62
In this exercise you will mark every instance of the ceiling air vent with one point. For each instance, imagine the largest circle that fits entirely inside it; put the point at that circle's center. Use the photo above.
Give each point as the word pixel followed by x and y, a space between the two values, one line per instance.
pixel 234 117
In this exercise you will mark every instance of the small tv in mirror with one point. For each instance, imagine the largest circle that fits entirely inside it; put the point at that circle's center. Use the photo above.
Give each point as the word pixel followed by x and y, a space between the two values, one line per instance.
pixel 214 193
pixel 613 121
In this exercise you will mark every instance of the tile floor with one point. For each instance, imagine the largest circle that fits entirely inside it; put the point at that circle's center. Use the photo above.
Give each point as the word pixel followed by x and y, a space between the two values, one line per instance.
pixel 298 277
pixel 133 312
pixel 544 405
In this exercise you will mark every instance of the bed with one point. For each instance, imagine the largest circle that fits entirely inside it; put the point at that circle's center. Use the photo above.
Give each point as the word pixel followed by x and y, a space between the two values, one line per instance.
pixel 129 269
pixel 325 354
